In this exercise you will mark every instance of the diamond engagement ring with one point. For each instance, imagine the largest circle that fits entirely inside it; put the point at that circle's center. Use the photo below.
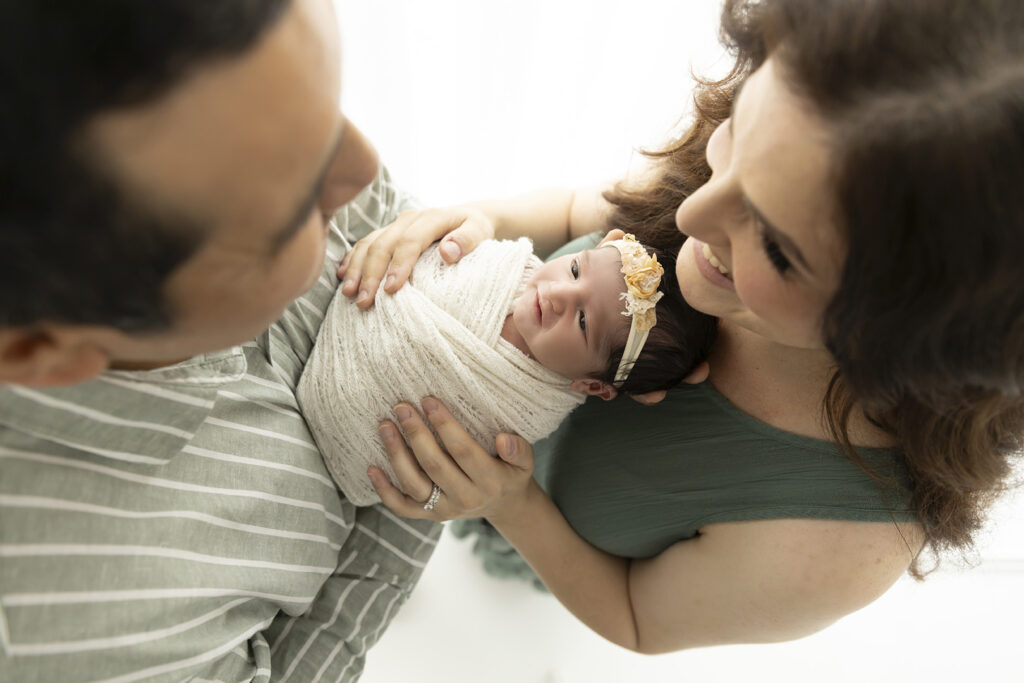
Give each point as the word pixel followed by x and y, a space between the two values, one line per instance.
pixel 435 495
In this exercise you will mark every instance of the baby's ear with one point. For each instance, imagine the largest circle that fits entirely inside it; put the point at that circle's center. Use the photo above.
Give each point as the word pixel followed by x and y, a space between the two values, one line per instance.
pixel 594 387
pixel 612 235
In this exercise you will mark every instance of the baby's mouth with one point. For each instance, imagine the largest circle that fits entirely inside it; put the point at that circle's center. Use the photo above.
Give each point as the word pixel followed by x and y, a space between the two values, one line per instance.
pixel 713 260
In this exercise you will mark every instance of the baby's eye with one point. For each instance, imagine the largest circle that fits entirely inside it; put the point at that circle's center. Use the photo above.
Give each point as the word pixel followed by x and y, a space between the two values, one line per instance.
pixel 575 269
pixel 583 322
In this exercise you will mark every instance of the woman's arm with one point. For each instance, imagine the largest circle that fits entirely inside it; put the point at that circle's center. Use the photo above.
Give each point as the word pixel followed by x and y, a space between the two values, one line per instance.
pixel 737 582
pixel 549 217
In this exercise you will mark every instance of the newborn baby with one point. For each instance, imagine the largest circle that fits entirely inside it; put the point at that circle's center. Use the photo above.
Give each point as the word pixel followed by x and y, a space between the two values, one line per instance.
pixel 506 342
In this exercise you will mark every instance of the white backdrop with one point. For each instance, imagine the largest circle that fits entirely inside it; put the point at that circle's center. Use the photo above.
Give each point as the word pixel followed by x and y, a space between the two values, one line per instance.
pixel 474 99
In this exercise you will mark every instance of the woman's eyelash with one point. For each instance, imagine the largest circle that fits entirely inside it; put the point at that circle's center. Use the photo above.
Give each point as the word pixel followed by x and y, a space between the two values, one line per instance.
pixel 583 322
pixel 774 253
pixel 575 269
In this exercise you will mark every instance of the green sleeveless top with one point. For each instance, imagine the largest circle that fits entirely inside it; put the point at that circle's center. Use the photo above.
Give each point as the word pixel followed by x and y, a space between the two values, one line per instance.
pixel 634 479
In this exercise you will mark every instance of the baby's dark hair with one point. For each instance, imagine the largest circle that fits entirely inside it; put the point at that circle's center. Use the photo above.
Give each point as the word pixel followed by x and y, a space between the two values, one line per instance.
pixel 677 344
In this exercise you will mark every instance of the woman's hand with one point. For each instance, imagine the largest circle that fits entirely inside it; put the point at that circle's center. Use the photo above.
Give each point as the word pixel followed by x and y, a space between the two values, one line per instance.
pixel 473 482
pixel 391 252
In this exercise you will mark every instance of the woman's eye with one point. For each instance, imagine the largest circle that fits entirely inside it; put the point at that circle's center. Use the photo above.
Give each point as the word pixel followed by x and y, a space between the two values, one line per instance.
pixel 575 269
pixel 583 322
pixel 774 253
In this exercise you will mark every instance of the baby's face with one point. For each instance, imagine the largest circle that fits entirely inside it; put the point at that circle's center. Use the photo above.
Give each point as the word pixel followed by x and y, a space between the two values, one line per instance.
pixel 570 316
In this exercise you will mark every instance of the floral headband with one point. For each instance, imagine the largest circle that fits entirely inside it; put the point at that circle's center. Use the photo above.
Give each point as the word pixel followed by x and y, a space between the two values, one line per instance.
pixel 642 273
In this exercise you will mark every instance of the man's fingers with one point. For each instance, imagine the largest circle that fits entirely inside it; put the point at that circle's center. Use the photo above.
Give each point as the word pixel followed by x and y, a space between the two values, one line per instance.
pixel 375 263
pixel 355 263
pixel 403 259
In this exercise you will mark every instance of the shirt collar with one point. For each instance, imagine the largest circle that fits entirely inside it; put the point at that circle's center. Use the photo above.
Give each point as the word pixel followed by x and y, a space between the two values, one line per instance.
pixel 143 416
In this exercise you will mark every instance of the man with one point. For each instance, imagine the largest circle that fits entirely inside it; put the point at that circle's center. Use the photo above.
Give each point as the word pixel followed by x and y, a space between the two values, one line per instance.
pixel 169 170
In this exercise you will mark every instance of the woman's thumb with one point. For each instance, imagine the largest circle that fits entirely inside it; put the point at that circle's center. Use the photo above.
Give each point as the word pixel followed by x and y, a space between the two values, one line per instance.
pixel 515 451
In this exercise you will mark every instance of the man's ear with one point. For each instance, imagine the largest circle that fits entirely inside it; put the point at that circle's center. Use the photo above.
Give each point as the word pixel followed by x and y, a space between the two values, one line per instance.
pixel 612 235
pixel 47 358
pixel 594 387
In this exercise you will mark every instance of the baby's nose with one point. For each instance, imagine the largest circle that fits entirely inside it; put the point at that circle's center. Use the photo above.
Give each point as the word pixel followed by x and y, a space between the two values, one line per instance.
pixel 562 296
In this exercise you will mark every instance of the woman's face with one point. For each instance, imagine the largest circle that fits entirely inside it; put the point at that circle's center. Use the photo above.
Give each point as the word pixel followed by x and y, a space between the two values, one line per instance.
pixel 765 219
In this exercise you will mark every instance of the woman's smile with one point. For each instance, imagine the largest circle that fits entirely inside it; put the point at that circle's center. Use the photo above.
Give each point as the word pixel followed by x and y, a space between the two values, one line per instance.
pixel 712 270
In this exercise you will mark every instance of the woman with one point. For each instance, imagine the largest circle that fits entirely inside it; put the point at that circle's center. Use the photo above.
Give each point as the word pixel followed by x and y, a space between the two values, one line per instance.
pixel 859 230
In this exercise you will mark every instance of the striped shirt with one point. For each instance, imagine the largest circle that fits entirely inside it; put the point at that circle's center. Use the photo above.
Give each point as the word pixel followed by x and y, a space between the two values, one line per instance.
pixel 179 523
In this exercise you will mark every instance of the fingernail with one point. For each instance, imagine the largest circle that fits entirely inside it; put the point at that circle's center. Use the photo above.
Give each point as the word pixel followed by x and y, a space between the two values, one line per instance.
pixel 451 249
pixel 430 406
pixel 362 295
pixel 387 431
pixel 388 281
pixel 403 413
pixel 510 445
pixel 346 284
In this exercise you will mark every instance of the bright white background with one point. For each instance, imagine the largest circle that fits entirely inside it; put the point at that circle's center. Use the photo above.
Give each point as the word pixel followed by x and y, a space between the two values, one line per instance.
pixel 474 99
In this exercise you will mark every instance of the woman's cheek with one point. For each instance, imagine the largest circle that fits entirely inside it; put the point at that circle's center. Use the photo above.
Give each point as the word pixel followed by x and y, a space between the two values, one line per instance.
pixel 761 291
pixel 785 313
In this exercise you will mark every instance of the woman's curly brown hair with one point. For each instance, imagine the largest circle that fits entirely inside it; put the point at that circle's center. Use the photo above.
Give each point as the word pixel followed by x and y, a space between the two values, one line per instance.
pixel 925 102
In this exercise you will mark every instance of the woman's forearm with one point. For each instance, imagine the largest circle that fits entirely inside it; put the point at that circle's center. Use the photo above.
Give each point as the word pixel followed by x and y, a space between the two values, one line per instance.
pixel 548 217
pixel 591 583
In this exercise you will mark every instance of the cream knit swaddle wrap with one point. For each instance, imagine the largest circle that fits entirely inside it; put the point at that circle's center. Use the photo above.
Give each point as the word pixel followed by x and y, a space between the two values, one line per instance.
pixel 439 335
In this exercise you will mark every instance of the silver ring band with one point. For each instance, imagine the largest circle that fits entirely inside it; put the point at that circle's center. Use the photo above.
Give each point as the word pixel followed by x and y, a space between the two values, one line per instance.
pixel 435 495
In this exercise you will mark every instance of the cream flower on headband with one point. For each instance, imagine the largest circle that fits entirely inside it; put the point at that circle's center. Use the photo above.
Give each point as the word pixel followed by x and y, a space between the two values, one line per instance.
pixel 642 274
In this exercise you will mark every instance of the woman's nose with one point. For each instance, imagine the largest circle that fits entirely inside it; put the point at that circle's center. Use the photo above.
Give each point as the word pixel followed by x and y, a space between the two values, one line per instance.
pixel 703 214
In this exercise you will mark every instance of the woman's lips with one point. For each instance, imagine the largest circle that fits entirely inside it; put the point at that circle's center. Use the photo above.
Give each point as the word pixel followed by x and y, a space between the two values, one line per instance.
pixel 709 271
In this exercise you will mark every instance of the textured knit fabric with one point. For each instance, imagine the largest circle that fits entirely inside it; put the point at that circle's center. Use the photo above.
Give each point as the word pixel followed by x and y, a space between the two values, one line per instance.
pixel 180 523
pixel 439 335
pixel 634 479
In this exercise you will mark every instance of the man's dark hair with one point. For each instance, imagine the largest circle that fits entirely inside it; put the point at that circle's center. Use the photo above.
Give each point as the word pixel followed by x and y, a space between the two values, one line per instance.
pixel 74 247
